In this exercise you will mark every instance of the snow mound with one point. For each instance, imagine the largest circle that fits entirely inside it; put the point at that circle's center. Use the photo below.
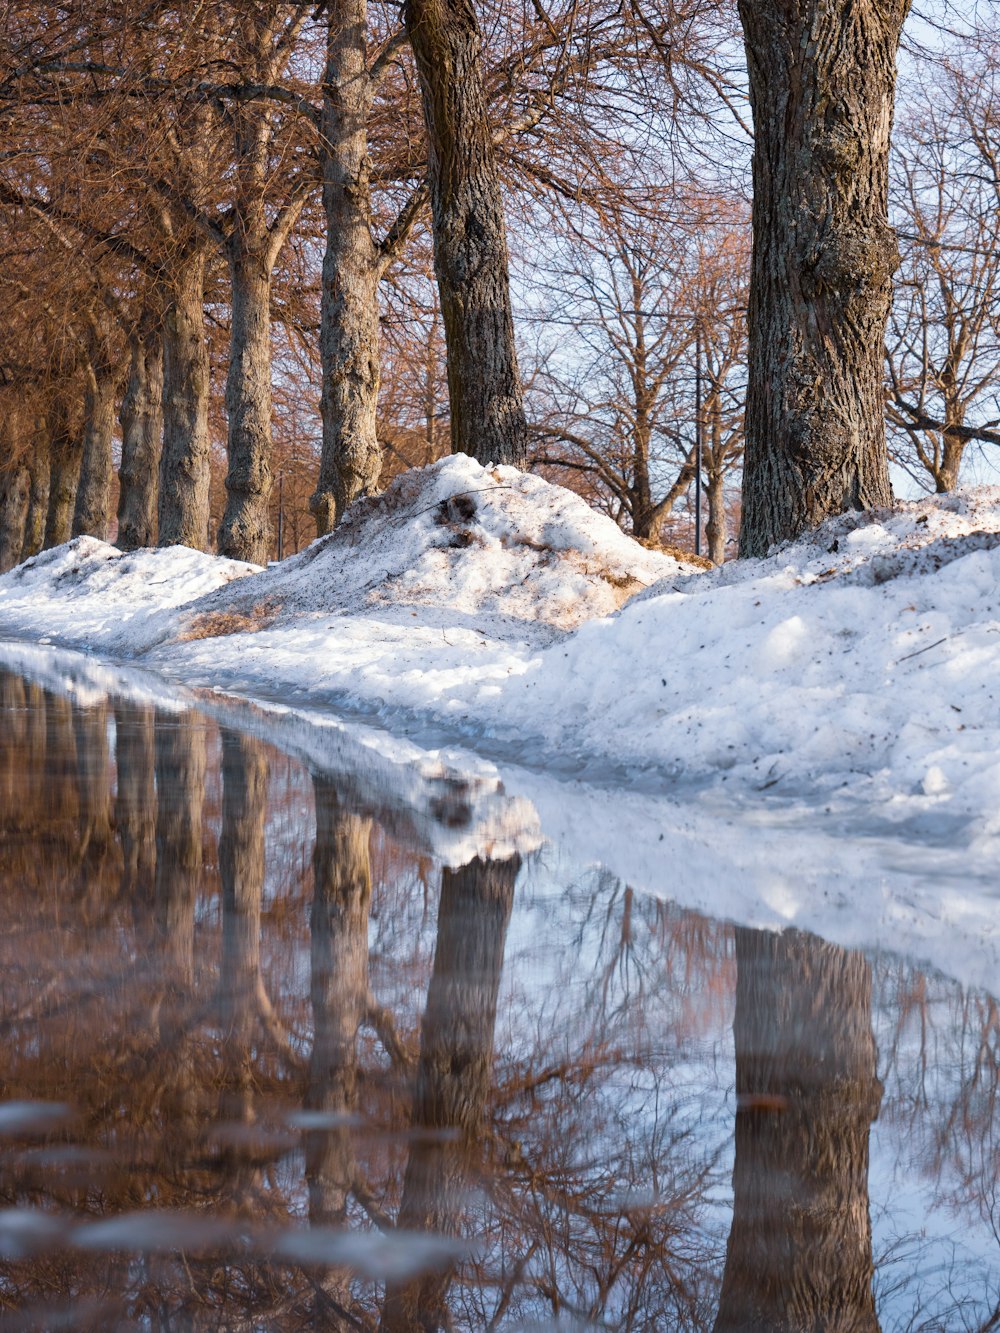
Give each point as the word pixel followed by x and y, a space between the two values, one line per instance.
pixel 86 589
pixel 501 549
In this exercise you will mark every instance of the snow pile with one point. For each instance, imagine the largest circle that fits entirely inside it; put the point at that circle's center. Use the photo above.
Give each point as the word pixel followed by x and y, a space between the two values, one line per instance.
pixel 502 551
pixel 86 591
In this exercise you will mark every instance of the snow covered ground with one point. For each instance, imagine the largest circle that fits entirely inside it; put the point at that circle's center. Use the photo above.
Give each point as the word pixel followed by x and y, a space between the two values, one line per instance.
pixel 815 735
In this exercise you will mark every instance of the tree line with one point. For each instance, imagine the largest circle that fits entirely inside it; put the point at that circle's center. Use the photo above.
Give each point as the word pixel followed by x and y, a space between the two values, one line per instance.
pixel 216 215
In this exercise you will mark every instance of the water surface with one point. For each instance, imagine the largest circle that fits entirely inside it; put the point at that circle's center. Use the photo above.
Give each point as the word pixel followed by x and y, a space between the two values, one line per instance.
pixel 278 1054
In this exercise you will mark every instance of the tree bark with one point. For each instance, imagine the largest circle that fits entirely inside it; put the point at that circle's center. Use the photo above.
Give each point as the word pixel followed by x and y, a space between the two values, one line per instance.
pixel 65 459
pixel 351 459
pixel 470 242
pixel 92 512
pixel 454 1074
pixel 822 81
pixel 715 529
pixel 141 420
pixel 799 1258
pixel 38 497
pixel 246 528
pixel 15 487
pixel 182 506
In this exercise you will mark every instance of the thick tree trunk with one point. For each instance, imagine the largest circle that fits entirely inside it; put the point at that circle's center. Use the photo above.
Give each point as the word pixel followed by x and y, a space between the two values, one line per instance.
pixel 799 1258
pixel 65 459
pixel 454 1074
pixel 351 459
pixel 182 508
pixel 38 497
pixel 822 80
pixel 715 530
pixel 142 438
pixel 15 487
pixel 246 530
pixel 180 793
pixel 470 243
pixel 92 512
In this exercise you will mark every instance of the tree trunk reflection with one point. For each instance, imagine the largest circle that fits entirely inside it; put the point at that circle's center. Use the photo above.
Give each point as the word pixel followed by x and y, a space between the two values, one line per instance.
pixel 453 1075
pixel 800 1248
pixel 339 995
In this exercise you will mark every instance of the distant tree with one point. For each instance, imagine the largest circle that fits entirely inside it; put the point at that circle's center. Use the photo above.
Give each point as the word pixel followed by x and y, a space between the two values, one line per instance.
pixel 639 300
pixel 943 350
pixel 822 82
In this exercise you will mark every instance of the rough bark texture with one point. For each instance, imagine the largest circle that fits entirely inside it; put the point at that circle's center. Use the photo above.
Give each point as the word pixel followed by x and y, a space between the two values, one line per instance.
pixel 715 529
pixel 470 243
pixel 180 793
pixel 15 487
pixel 799 1258
pixel 141 420
pixel 65 458
pixel 246 530
pixel 182 506
pixel 351 459
pixel 38 497
pixel 454 1074
pixel 92 511
pixel 822 80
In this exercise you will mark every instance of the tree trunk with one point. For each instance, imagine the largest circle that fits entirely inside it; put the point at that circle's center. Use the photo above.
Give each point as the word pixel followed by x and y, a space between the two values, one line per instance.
pixel 715 530
pixel 65 459
pixel 351 459
pixel 454 1074
pixel 15 486
pixel 184 474
pixel 246 529
pixel 38 497
pixel 142 438
pixel 799 1258
pixel 822 80
pixel 92 512
pixel 470 243
pixel 180 792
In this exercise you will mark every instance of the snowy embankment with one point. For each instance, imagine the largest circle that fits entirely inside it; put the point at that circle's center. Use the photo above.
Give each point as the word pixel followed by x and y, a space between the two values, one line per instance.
pixel 863 662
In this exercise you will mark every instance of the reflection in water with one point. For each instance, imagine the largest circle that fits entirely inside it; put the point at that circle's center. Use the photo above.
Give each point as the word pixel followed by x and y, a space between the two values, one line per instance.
pixel 454 1074
pixel 386 1094
pixel 800 1249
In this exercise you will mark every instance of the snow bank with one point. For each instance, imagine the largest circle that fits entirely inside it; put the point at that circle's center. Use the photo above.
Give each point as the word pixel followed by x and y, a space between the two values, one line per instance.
pixel 859 664
pixel 91 594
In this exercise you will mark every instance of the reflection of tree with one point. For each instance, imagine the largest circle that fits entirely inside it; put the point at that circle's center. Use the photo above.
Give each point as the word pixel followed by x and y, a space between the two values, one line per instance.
pixel 135 803
pixel 454 1074
pixel 180 789
pixel 339 992
pixel 800 1248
